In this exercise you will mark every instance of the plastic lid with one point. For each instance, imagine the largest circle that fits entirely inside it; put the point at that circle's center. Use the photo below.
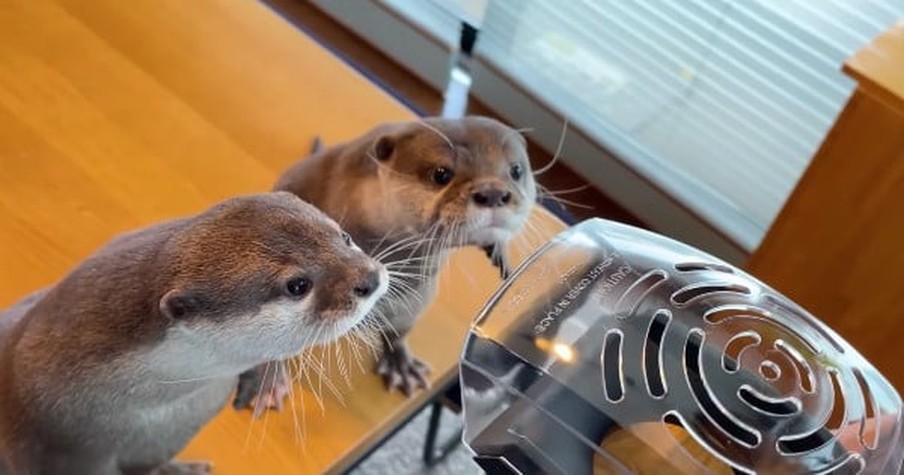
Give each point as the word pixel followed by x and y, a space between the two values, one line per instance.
pixel 617 350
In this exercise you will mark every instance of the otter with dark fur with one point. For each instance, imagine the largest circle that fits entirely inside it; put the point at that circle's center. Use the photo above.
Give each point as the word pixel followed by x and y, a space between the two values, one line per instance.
pixel 114 369
pixel 413 191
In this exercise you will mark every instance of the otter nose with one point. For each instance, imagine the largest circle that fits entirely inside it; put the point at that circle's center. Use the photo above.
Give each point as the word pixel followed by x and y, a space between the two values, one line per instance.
pixel 491 197
pixel 368 285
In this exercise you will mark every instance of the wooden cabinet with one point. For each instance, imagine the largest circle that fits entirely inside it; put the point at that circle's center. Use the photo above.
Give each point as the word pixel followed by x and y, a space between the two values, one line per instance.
pixel 837 247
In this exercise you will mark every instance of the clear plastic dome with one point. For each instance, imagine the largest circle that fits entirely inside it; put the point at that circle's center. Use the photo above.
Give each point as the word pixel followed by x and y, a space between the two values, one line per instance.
pixel 616 350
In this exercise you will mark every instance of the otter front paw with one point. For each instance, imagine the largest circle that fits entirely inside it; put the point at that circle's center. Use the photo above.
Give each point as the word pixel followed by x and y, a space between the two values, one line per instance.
pixel 184 468
pixel 263 387
pixel 403 372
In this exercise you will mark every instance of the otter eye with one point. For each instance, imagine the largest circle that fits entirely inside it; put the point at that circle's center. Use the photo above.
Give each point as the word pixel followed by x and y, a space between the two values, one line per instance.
pixel 442 175
pixel 516 171
pixel 347 238
pixel 298 287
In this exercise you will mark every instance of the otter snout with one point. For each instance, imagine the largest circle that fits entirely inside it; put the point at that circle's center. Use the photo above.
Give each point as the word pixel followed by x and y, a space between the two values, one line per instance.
pixel 491 196
pixel 368 284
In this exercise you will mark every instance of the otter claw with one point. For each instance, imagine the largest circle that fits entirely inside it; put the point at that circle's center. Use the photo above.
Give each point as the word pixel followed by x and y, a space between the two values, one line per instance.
pixel 405 374
pixel 497 256
pixel 271 399
pixel 263 388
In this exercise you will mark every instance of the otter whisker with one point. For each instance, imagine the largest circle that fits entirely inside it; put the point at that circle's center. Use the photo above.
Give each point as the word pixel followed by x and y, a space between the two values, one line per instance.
pixel 558 153
pixel 447 244
pixel 325 346
pixel 340 363
pixel 401 274
pixel 365 334
pixel 403 285
pixel 351 343
pixel 318 369
pixel 306 366
pixel 371 334
pixel 397 296
pixel 406 263
pixel 544 192
pixel 371 338
pixel 409 273
pixel 430 241
pixel 428 254
pixel 460 269
pixel 370 331
pixel 437 132
pixel 375 249
pixel 354 340
pixel 407 299
pixel 467 274
pixel 403 297
pixel 378 337
pixel 297 432
pixel 260 389
pixel 563 201
pixel 259 408
pixel 322 369
pixel 255 410
pixel 294 370
pixel 349 354
pixel 386 324
pixel 188 380
pixel 334 391
pixel 410 258
pixel 407 279
pixel 411 246
pixel 437 251
pixel 300 434
pixel 567 190
pixel 402 244
pixel 531 235
pixel 525 247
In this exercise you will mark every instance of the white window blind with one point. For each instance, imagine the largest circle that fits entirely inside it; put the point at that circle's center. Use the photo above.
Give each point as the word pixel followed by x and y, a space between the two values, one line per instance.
pixel 735 95
pixel 723 102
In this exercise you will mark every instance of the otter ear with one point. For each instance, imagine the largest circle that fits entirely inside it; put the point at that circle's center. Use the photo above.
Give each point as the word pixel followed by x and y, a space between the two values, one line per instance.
pixel 179 304
pixel 383 148
pixel 391 137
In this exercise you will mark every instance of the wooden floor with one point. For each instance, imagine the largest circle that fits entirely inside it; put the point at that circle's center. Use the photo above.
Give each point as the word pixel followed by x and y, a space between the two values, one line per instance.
pixel 114 116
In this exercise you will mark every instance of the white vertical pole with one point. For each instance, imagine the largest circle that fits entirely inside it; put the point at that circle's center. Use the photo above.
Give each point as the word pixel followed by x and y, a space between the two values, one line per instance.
pixel 458 86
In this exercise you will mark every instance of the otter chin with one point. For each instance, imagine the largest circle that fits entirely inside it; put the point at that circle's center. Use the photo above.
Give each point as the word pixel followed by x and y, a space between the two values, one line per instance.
pixel 491 228
pixel 114 368
pixel 409 193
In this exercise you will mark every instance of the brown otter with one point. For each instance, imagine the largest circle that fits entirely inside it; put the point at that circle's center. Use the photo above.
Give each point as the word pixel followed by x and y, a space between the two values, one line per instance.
pixel 113 369
pixel 409 193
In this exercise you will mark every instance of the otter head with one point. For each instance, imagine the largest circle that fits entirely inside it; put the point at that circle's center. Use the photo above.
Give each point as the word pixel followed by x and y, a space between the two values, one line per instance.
pixel 467 179
pixel 260 277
